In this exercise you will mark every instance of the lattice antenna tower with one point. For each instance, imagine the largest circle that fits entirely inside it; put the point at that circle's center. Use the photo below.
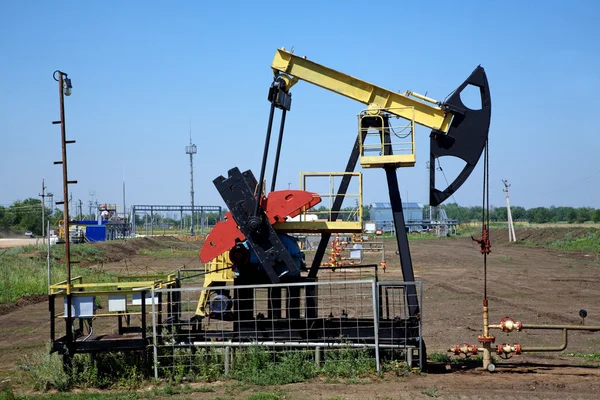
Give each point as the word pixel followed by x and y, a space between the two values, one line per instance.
pixel 191 150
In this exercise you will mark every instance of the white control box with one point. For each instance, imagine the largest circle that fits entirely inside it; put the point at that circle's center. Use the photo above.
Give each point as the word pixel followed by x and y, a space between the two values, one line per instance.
pixel 137 299
pixel 81 306
pixel 117 303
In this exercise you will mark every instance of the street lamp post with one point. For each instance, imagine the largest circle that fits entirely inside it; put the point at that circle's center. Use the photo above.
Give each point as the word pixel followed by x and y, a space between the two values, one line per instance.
pixel 64 89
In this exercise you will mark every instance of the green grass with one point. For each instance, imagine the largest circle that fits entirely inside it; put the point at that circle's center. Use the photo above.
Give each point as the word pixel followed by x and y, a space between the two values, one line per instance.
pixel 23 270
pixel 251 366
pixel 433 392
pixel 589 241
pixel 439 357
pixel 595 357
pixel 75 396
pixel 257 366
pixel 106 370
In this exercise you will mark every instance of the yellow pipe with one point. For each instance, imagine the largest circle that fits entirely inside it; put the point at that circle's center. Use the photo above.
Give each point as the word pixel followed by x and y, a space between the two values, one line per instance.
pixel 553 327
pixel 421 97
pixel 486 340
pixel 558 348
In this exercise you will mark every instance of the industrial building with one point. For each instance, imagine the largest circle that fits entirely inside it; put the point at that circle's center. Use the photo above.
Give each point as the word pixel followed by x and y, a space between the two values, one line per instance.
pixel 418 217
pixel 381 214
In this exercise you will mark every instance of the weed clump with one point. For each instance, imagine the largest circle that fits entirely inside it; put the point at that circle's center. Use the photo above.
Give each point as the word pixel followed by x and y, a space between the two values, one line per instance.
pixel 107 370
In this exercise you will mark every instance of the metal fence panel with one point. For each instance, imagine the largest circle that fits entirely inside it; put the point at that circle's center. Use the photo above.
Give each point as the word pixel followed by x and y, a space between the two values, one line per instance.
pixel 318 322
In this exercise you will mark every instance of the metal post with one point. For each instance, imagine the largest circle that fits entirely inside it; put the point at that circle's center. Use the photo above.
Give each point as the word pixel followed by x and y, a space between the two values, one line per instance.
pixel 402 239
pixel 422 347
pixel 318 356
pixel 264 160
pixel 144 312
pixel 277 154
pixel 66 182
pixel 154 341
pixel 48 256
pixel 227 359
pixel 375 321
pixel 43 195
pixel 201 220
pixel 191 150
pixel 124 209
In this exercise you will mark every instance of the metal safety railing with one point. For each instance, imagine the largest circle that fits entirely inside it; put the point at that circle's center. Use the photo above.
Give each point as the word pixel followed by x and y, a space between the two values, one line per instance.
pixel 321 217
pixel 382 143
pixel 316 322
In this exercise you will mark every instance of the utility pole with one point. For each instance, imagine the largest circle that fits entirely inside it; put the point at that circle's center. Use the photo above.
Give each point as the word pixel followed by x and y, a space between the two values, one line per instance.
pixel 64 89
pixel 124 209
pixel 511 227
pixel 80 217
pixel 43 196
pixel 191 150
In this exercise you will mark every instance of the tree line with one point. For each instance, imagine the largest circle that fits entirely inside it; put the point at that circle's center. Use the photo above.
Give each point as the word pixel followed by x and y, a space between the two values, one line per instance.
pixel 26 215
pixel 538 215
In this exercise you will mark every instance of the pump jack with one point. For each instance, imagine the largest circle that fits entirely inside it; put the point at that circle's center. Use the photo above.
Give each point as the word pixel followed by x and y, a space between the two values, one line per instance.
pixel 255 221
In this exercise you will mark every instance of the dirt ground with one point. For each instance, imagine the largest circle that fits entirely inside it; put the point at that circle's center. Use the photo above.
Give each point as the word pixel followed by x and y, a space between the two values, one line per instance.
pixel 530 284
pixel 6 243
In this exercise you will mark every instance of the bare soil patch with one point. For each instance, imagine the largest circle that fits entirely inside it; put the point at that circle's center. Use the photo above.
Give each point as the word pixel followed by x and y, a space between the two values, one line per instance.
pixel 22 302
pixel 531 284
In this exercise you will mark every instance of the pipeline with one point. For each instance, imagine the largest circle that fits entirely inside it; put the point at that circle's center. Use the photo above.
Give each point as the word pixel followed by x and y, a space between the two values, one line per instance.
pixel 505 350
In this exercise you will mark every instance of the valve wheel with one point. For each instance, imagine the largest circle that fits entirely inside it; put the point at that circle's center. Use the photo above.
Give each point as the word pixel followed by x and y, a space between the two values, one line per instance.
pixel 502 354
pixel 466 354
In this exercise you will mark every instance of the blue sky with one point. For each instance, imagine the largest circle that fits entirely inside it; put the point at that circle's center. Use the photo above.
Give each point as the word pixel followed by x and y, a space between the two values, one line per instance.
pixel 141 70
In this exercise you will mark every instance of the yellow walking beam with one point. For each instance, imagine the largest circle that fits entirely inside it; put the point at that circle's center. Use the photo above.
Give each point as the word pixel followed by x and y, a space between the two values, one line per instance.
pixel 375 97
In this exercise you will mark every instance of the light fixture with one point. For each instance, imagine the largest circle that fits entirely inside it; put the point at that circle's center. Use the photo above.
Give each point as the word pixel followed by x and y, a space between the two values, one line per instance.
pixel 67 86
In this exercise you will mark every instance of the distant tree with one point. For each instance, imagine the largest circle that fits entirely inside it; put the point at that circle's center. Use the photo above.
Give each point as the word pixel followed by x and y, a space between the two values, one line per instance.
pixel 500 214
pixel 366 213
pixel 7 219
pixel 212 218
pixel 584 214
pixel 538 215
pixel 27 215
pixel 596 215
pixel 559 214
pixel 58 215
pixel 454 211
pixel 518 212
pixel 571 215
